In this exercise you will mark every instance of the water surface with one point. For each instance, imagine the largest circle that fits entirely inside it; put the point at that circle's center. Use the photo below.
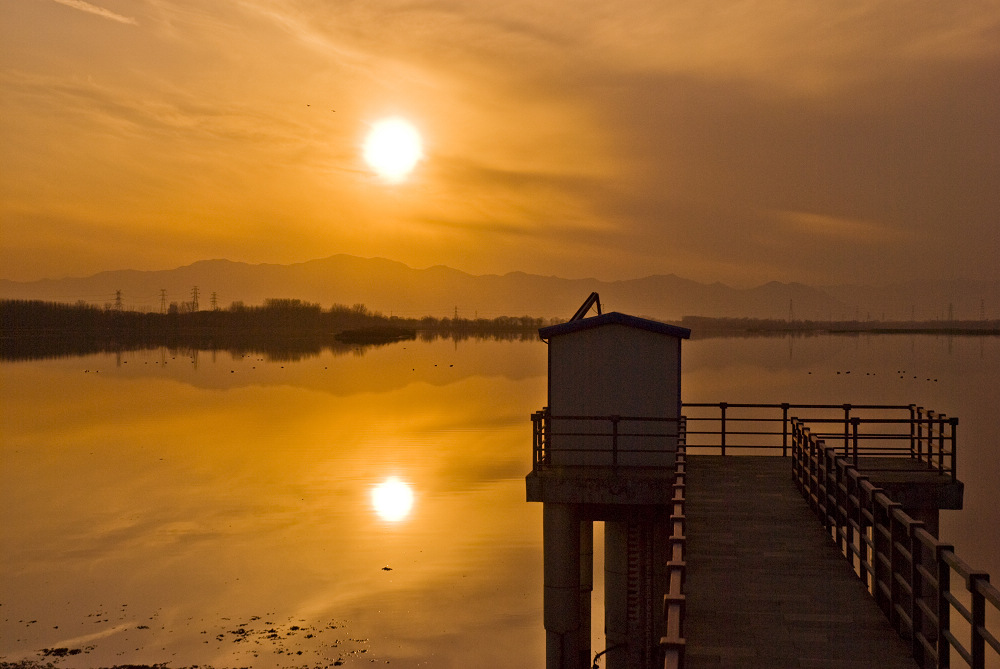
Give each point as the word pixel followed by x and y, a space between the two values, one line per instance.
pixel 209 508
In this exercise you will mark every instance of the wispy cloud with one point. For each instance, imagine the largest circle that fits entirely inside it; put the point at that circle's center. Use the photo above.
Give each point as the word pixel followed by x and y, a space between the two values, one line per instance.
pixel 836 227
pixel 84 6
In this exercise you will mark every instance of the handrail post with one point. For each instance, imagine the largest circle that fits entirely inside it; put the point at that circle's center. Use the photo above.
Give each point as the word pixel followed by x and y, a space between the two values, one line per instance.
pixel 954 452
pixel 978 610
pixel 930 439
pixel 796 455
pixel 881 553
pixel 920 433
pixel 855 422
pixel 943 606
pixel 722 425
pixel 894 568
pixel 784 429
pixel 942 421
pixel 816 447
pixel 842 513
pixel 829 457
pixel 913 442
pixel 847 421
pixel 916 592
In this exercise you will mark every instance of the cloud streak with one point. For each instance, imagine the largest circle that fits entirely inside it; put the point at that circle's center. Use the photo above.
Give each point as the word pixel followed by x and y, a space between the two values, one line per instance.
pixel 835 227
pixel 84 6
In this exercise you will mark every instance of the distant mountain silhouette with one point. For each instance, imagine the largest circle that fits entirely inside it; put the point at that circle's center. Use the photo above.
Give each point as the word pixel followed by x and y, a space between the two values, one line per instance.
pixel 394 288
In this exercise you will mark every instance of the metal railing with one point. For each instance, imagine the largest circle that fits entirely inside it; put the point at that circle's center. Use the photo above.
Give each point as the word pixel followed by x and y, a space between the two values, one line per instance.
pixel 920 439
pixel 868 430
pixel 905 568
pixel 672 643
pixel 599 440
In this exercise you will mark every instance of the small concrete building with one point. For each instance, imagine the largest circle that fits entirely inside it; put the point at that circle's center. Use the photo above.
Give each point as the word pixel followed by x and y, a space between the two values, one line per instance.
pixel 614 375
pixel 604 450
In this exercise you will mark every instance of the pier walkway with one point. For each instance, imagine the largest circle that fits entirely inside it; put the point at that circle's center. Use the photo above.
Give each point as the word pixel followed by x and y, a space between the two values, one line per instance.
pixel 766 585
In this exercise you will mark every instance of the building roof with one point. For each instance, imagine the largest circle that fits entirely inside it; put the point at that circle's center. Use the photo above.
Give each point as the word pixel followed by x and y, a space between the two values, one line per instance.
pixel 614 318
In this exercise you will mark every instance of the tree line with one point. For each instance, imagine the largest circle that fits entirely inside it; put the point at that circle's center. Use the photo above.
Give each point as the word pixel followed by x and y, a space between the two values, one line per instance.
pixel 36 328
pixel 38 317
pixel 709 326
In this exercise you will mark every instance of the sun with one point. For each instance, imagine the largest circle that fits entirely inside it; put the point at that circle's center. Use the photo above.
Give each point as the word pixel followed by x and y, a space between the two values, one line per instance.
pixel 393 148
pixel 392 499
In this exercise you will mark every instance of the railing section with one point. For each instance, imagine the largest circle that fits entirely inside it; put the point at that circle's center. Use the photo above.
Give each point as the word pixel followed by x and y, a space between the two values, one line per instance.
pixel 905 568
pixel 917 439
pixel 672 643
pixel 602 440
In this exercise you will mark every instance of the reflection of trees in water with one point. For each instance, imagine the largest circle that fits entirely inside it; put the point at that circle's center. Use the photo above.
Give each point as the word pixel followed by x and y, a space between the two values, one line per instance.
pixel 280 331
pixel 273 350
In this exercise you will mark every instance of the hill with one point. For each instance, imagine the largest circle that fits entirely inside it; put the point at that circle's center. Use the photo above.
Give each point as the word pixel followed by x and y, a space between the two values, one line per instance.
pixel 396 289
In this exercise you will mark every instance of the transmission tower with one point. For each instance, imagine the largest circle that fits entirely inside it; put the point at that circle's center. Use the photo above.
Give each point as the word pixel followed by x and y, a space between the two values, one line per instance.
pixel 118 300
pixel 215 302
pixel 163 300
pixel 194 299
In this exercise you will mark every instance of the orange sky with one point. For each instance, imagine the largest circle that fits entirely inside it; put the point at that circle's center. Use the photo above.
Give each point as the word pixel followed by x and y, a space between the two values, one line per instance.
pixel 738 141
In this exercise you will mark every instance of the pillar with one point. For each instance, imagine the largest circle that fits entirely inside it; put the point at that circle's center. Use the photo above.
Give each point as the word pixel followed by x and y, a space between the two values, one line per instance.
pixel 616 627
pixel 586 588
pixel 561 544
pixel 635 579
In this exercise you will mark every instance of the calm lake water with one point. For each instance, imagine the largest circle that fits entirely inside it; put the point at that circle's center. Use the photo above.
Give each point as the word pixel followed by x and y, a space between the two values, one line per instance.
pixel 209 508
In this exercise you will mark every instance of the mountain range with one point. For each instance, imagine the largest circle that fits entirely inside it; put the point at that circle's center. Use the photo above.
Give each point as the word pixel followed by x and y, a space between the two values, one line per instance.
pixel 396 289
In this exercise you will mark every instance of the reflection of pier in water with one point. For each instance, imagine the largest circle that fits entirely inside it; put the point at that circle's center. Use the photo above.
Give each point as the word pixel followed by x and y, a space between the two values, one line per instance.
pixel 714 560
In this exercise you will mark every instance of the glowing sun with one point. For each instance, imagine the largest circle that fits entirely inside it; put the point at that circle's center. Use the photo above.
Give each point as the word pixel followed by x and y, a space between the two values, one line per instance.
pixel 393 148
pixel 392 499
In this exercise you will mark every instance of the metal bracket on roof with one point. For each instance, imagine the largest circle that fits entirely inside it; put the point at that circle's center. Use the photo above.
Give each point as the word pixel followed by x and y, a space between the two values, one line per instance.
pixel 587 304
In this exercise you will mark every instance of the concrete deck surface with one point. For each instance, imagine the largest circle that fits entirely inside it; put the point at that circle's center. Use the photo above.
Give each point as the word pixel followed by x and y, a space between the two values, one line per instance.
pixel 766 586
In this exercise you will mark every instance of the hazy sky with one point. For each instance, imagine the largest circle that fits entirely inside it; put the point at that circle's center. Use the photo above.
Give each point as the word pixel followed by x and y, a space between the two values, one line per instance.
pixel 738 141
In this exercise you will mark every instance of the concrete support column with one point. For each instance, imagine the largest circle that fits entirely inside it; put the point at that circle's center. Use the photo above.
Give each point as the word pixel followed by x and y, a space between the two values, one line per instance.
pixel 616 575
pixel 561 545
pixel 635 579
pixel 586 588
pixel 661 575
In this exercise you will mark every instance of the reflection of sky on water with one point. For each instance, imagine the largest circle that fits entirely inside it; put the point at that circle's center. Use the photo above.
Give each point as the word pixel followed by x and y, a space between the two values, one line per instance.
pixel 227 492
pixel 176 496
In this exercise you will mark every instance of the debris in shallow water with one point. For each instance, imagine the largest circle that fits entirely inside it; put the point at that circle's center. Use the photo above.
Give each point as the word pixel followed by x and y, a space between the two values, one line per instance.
pixel 238 638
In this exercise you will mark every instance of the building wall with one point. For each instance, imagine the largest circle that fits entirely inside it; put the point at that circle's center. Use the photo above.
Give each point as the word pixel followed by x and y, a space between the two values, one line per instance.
pixel 614 370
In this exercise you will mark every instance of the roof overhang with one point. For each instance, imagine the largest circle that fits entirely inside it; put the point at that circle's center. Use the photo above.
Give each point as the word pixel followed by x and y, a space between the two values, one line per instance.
pixel 614 318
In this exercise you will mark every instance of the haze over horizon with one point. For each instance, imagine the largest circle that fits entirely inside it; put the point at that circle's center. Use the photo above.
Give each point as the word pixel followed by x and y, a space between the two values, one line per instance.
pixel 740 142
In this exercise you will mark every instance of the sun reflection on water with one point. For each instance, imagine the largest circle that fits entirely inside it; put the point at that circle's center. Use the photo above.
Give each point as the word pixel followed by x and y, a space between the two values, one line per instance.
pixel 392 499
